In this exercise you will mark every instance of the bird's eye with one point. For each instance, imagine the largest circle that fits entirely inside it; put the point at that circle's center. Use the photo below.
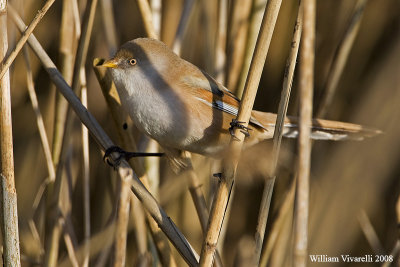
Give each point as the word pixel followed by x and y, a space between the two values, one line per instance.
pixel 132 62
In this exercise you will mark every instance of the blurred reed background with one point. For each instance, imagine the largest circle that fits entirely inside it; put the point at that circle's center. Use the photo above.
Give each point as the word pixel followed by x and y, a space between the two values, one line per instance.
pixel 354 185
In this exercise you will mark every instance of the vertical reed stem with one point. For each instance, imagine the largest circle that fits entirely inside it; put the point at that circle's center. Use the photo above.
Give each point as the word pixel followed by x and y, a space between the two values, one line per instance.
pixel 9 213
pixel 304 142
pixel 277 138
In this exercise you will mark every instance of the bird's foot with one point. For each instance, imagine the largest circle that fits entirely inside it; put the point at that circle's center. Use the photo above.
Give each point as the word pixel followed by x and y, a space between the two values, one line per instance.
pixel 125 155
pixel 238 124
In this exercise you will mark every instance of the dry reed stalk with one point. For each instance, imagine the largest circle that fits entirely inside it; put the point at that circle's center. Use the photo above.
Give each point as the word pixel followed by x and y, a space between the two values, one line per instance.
pixel 83 45
pixel 13 54
pixel 156 10
pixel 304 144
pixel 263 216
pixel 286 88
pixel 398 214
pixel 237 36
pixel 226 181
pixel 107 14
pixel 39 117
pixel 224 229
pixel 256 15
pixel 145 12
pixel 151 164
pixel 121 231
pixel 277 138
pixel 341 57
pixel 370 233
pixel 36 236
pixel 69 34
pixel 278 223
pixel 281 255
pixel 98 242
pixel 396 249
pixel 8 212
pixel 62 226
pixel 70 246
pixel 41 128
pixel 105 252
pixel 220 47
pixel 124 170
pixel 86 174
pixel 51 256
pixel 199 201
pixel 119 117
pixel 68 231
pixel 103 257
pixel 140 228
pixel 163 249
pixel 195 190
pixel 183 22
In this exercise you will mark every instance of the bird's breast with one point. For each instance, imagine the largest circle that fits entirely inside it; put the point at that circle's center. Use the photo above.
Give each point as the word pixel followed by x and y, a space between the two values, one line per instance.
pixel 158 112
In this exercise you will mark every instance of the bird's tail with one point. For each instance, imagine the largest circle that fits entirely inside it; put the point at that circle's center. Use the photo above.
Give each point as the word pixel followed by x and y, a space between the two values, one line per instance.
pixel 321 129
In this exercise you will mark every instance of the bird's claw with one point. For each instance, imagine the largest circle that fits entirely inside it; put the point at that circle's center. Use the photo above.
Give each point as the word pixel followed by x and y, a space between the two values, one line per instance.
pixel 114 163
pixel 238 124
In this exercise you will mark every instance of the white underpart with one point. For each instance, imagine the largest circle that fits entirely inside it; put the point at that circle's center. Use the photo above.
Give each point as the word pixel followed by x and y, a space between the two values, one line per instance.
pixel 136 93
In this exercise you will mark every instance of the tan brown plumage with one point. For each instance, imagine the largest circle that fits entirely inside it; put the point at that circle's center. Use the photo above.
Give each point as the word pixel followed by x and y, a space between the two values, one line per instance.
pixel 185 109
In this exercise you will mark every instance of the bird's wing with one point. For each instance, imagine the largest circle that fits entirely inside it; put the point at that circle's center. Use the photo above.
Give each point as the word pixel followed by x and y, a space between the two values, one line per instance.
pixel 216 95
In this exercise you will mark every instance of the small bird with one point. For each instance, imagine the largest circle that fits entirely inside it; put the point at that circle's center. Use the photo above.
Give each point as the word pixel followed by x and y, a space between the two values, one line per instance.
pixel 185 109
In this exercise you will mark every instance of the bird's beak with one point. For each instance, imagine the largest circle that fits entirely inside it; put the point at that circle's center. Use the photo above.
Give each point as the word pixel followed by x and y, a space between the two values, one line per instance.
pixel 111 63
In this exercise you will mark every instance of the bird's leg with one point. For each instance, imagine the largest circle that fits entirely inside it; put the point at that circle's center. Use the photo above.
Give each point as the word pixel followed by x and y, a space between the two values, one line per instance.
pixel 126 155
pixel 238 124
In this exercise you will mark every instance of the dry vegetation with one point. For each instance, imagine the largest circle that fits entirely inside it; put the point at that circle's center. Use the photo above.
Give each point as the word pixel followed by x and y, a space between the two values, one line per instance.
pixel 75 210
